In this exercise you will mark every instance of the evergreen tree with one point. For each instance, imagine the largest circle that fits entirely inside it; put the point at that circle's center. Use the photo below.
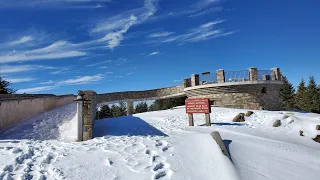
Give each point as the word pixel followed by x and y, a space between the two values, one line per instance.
pixel 105 112
pixel 312 98
pixel 115 110
pixel 4 87
pixel 152 107
pixel 300 96
pixel 287 95
pixel 141 107
pixel 123 109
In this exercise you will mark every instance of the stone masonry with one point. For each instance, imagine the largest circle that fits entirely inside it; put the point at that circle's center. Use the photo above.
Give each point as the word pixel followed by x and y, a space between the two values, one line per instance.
pixel 256 93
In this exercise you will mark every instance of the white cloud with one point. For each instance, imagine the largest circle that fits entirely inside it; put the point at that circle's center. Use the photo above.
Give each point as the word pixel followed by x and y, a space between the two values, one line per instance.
pixel 22 68
pixel 61 71
pixel 160 34
pixel 115 27
pixel 19 80
pixel 35 89
pixel 82 80
pixel 201 33
pixel 46 82
pixel 49 3
pixel 128 74
pixel 154 53
pixel 76 81
pixel 211 23
pixel 100 63
pixel 206 11
pixel 22 40
pixel 19 57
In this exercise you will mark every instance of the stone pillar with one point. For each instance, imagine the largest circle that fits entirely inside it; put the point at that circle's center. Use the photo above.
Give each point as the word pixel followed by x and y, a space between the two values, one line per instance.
pixel 186 82
pixel 220 76
pixel 129 108
pixel 88 113
pixel 253 74
pixel 275 74
pixel 194 80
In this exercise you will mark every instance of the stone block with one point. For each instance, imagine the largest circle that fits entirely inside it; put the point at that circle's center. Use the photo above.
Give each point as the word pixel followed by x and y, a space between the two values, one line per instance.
pixel 239 118
pixel 277 123
pixel 317 139
pixel 249 113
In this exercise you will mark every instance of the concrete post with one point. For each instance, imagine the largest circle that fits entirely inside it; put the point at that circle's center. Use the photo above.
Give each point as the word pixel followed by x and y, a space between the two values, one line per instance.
pixel 80 120
pixel 253 74
pixel 129 108
pixel 88 113
pixel 276 74
pixel 194 80
pixel 220 76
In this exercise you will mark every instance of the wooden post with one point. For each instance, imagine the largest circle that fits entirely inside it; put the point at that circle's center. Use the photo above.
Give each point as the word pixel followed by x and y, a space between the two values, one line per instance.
pixel 208 121
pixel 191 123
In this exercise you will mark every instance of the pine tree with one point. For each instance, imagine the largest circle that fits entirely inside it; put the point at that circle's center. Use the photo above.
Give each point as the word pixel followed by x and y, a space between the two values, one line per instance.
pixel 300 96
pixel 123 109
pixel 115 110
pixel 4 87
pixel 287 95
pixel 105 112
pixel 152 107
pixel 141 107
pixel 312 98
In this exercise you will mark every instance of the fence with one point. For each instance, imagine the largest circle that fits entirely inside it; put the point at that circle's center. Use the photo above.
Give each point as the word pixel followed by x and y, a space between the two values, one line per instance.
pixel 237 76
pixel 233 76
pixel 208 78
pixel 262 73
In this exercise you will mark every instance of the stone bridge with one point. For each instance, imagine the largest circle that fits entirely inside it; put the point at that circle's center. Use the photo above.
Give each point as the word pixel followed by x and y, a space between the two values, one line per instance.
pixel 250 89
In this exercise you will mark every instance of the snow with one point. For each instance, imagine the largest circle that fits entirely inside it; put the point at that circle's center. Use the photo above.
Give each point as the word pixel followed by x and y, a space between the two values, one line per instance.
pixel 161 145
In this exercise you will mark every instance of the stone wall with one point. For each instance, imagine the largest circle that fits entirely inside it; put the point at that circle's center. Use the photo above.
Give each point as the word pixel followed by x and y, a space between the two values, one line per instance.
pixel 175 91
pixel 14 110
pixel 243 95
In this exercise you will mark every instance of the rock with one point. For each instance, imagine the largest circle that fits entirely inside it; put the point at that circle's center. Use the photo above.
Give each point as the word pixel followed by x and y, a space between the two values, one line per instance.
pixel 239 118
pixel 285 116
pixel 249 113
pixel 318 127
pixel 317 139
pixel 277 123
pixel 301 133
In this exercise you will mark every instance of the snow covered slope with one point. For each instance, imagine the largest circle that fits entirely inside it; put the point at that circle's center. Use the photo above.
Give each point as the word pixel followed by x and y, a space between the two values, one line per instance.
pixel 160 145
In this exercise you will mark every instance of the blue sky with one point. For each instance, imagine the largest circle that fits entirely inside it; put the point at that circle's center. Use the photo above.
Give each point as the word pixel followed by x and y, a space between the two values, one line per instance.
pixel 61 46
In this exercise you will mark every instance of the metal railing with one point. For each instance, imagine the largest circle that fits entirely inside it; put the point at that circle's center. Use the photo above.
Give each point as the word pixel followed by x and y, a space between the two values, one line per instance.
pixel 208 78
pixel 262 73
pixel 236 76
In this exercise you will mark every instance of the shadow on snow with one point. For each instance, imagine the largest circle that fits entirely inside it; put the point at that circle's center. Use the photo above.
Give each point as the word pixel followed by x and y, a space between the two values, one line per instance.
pixel 226 124
pixel 125 126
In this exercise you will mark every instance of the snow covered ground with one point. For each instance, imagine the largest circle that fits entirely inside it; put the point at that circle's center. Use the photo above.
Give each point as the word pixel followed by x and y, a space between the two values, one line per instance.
pixel 160 145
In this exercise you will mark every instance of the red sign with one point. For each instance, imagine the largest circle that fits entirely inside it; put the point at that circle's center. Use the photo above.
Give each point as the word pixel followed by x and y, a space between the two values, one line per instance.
pixel 198 105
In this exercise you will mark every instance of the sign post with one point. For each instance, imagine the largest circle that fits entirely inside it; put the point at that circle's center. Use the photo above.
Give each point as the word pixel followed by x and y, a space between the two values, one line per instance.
pixel 198 106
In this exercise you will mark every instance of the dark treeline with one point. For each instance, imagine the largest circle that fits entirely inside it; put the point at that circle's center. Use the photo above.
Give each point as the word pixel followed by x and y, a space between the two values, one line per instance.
pixel 115 110
pixel 4 87
pixel 304 98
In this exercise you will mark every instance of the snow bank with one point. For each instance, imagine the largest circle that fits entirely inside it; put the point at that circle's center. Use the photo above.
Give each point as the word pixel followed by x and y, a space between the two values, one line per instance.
pixel 161 145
